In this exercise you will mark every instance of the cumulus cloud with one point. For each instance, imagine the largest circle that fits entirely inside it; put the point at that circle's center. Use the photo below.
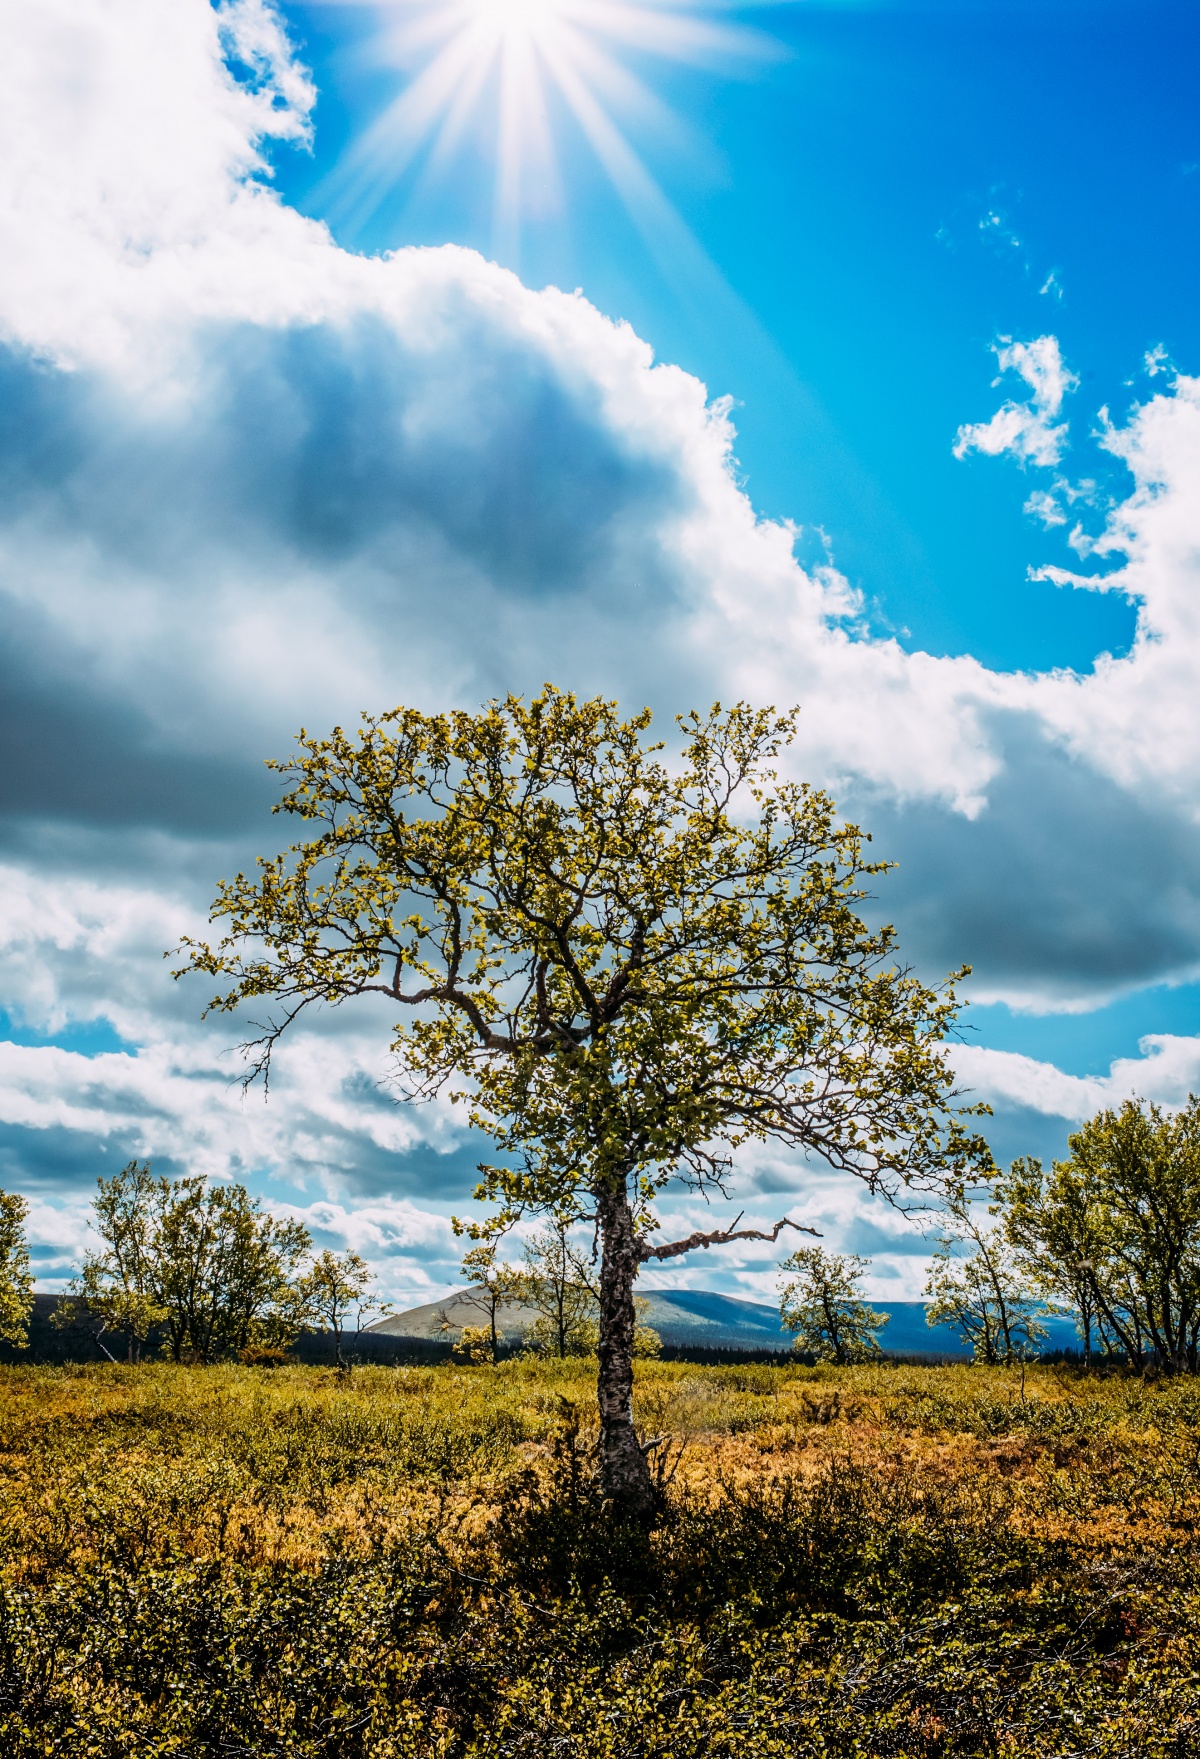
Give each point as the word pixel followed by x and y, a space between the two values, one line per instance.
pixel 250 480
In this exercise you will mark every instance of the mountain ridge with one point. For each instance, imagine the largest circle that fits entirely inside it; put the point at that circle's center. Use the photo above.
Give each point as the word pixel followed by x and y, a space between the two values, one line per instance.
pixel 697 1317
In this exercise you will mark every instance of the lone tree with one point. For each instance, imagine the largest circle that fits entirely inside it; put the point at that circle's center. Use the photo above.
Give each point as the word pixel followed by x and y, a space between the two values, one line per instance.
pixel 628 967
pixel 334 1286
pixel 823 1305
pixel 557 1282
pixel 494 1283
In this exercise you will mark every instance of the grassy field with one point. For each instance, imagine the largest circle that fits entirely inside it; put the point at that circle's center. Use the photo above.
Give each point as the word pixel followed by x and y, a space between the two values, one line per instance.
pixel 412 1562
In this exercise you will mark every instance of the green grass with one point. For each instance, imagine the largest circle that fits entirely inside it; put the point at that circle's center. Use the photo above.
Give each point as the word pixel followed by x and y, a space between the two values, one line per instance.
pixel 412 1562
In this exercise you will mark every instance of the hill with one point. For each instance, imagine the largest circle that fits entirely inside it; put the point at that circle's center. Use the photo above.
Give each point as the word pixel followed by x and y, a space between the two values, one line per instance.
pixel 688 1318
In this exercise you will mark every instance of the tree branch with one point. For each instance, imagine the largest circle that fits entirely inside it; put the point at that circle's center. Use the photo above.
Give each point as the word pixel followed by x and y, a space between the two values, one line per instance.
pixel 719 1237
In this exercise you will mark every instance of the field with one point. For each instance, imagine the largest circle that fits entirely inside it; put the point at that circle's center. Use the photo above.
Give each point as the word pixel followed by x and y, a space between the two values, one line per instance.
pixel 412 1562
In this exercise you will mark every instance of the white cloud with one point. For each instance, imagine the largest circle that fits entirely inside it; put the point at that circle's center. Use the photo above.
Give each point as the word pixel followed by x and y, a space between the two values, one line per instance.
pixel 1166 1072
pixel 1042 505
pixel 1137 719
pixel 1027 430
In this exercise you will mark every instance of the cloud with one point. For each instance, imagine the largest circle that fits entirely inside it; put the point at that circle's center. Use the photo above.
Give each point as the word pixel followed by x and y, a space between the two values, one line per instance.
pixel 1167 1071
pixel 249 480
pixel 1027 430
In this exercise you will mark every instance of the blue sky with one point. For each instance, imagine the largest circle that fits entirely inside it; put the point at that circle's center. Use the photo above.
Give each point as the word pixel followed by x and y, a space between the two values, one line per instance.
pixel 258 471
pixel 890 191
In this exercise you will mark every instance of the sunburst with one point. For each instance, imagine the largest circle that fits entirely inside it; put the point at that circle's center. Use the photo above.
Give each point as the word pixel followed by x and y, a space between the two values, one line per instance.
pixel 508 60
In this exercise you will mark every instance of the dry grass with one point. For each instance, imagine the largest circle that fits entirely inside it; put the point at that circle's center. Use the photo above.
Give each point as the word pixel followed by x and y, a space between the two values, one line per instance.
pixel 901 1561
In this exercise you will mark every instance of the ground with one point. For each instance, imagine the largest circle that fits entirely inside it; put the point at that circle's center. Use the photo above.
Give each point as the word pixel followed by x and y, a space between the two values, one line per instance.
pixel 408 1562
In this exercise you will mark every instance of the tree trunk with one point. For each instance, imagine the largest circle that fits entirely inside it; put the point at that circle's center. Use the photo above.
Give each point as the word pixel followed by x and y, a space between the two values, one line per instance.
pixel 624 1474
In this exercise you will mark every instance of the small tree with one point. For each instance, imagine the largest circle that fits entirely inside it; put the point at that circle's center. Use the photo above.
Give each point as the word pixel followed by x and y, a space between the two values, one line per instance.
pixel 583 1335
pixel 474 1343
pixel 558 1285
pixel 977 1285
pixel 1053 1225
pixel 16 1281
pixel 823 1305
pixel 494 1284
pixel 334 1287
pixel 228 1274
pixel 627 968
pixel 114 1293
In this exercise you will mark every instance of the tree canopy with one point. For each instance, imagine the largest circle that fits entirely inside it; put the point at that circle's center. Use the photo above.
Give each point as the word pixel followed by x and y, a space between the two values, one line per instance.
pixel 978 1285
pixel 202 1262
pixel 823 1306
pixel 16 1281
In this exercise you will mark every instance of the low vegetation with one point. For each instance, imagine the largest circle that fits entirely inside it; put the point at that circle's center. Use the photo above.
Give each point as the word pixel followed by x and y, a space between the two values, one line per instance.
pixel 398 1563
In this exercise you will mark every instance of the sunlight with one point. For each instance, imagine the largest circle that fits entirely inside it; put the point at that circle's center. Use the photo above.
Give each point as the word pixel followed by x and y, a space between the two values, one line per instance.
pixel 509 66
pixel 511 16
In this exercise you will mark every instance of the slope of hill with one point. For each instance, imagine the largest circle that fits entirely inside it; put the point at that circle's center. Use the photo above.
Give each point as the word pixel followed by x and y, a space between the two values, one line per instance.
pixel 687 1318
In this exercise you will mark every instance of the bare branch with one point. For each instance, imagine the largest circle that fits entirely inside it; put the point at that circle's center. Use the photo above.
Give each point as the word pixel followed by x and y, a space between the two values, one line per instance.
pixel 719 1237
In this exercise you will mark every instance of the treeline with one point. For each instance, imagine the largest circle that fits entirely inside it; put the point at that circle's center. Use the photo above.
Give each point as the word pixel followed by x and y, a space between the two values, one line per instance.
pixel 1110 1235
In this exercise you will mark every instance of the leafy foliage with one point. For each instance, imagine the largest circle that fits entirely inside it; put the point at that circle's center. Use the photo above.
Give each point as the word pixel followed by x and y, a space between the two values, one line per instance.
pixel 16 1282
pixel 334 1286
pixel 495 1282
pixel 559 1284
pixel 201 1261
pixel 627 969
pixel 1115 1229
pixel 978 1286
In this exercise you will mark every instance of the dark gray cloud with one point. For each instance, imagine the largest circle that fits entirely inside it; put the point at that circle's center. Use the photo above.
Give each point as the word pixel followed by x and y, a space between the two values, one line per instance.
pixel 434 497
pixel 1065 886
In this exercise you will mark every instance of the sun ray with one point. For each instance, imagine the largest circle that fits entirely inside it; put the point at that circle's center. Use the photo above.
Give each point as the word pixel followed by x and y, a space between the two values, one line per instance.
pixel 469 58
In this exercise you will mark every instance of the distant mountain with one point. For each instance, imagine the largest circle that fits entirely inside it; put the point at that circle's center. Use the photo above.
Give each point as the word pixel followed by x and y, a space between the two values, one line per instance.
pixel 693 1318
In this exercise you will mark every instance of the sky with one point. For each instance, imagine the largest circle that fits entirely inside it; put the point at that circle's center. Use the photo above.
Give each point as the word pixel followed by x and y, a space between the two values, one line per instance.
pixel 838 354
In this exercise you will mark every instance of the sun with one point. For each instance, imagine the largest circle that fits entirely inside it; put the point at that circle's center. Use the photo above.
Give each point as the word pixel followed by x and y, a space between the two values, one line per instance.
pixel 506 60
pixel 518 16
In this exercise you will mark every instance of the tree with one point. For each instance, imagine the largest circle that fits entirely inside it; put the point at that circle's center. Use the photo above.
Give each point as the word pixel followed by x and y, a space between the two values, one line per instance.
pixel 16 1282
pixel 115 1290
pixel 1119 1222
pixel 332 1288
pixel 227 1272
pixel 823 1305
pixel 977 1286
pixel 1053 1225
pixel 627 967
pixel 494 1284
pixel 558 1285
pixel 202 1261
